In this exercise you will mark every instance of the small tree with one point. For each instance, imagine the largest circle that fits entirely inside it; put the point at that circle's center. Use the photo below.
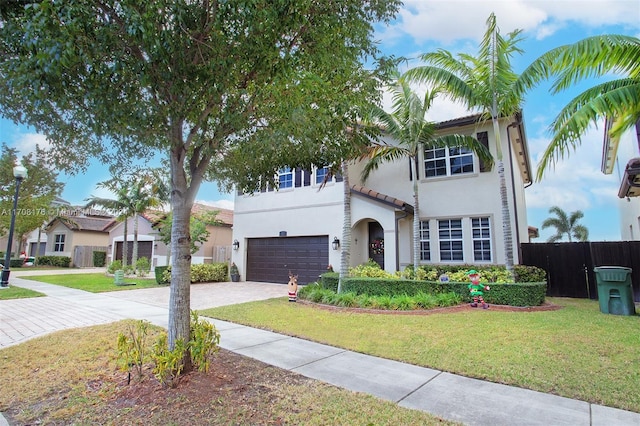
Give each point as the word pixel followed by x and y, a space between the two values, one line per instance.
pixel 566 225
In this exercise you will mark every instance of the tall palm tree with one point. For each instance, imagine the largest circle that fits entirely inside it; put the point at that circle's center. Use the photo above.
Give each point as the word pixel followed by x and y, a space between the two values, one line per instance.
pixel 566 225
pixel 485 82
pixel 118 204
pixel 408 125
pixel 617 100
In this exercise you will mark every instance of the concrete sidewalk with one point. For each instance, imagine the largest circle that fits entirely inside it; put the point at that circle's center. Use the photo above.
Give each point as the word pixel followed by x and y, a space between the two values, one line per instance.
pixel 452 397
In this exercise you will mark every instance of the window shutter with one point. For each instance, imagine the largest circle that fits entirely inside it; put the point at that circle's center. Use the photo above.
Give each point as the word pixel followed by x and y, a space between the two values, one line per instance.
pixel 297 178
pixel 307 178
pixel 483 138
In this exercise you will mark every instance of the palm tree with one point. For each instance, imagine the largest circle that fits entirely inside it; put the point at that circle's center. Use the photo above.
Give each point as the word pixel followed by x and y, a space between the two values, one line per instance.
pixel 566 225
pixel 486 82
pixel 408 126
pixel 118 204
pixel 617 100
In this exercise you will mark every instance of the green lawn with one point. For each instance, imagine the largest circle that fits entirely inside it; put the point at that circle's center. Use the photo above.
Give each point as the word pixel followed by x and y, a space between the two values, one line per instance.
pixel 576 352
pixel 94 283
pixel 13 292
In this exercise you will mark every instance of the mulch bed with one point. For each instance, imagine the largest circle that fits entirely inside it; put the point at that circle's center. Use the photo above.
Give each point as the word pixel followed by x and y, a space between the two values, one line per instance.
pixel 453 309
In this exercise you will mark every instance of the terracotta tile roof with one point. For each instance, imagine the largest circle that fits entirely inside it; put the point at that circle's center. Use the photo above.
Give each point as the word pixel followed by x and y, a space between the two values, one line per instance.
pixel 382 198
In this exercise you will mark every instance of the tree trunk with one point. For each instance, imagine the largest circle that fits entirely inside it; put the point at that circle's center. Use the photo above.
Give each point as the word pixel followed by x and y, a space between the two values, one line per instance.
pixel 182 198
pixel 125 245
pixel 416 217
pixel 345 245
pixel 134 255
pixel 504 199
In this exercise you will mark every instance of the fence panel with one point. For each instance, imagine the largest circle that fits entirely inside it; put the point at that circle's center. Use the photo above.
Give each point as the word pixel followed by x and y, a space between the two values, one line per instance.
pixel 570 266
pixel 83 255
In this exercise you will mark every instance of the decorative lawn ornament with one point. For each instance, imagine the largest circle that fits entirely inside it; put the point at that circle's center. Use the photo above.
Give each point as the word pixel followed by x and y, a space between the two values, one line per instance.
pixel 293 287
pixel 476 289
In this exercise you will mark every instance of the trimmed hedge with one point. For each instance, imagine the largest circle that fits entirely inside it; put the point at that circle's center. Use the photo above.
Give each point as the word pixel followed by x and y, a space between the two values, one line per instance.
pixel 201 273
pixel 60 261
pixel 159 273
pixel 530 292
pixel 99 258
pixel 16 263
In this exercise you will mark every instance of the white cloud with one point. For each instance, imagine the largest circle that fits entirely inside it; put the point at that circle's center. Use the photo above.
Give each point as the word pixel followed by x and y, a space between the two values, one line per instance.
pixel 26 143
pixel 452 20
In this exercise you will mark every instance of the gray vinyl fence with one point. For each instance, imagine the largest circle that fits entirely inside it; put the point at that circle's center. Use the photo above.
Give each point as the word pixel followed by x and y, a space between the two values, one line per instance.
pixel 221 254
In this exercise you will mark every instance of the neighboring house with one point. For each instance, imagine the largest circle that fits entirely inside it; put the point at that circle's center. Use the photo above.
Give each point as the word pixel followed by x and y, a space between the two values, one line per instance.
pixel 629 192
pixel 59 207
pixel 215 249
pixel 77 233
pixel 297 228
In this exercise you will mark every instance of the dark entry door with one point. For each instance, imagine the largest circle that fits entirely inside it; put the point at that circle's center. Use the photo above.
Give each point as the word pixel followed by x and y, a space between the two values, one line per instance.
pixel 271 259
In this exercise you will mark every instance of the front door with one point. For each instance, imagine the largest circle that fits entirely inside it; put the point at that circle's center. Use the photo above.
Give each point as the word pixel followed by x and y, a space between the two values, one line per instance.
pixel 376 243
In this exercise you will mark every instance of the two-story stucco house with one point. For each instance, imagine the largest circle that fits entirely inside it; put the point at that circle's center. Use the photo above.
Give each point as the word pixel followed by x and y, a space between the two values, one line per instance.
pixel 297 227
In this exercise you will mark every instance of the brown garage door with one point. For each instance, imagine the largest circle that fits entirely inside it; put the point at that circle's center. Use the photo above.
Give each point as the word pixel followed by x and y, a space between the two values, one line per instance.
pixel 271 259
pixel 144 250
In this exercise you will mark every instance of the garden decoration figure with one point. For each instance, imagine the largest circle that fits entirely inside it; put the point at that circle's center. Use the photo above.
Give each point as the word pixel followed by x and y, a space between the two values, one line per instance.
pixel 476 289
pixel 293 287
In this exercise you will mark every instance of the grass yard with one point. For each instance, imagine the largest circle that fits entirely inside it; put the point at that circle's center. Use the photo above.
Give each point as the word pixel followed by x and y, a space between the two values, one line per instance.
pixel 576 352
pixel 13 292
pixel 94 283
pixel 71 377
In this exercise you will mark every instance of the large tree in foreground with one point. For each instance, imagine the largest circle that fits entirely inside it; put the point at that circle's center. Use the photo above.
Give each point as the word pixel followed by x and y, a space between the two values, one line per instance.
pixel 227 90
pixel 484 82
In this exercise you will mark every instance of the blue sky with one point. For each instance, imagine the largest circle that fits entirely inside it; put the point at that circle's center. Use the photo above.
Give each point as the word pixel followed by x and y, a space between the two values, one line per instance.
pixel 576 183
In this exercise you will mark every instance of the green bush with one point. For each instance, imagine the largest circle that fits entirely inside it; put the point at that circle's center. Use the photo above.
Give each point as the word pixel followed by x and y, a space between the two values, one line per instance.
pixel 160 276
pixel 16 263
pixel 203 273
pixel 99 258
pixel 114 266
pixel 59 261
pixel 142 267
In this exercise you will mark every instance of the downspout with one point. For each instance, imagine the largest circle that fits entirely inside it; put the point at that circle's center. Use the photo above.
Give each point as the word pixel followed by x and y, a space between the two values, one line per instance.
pixel 397 236
pixel 513 189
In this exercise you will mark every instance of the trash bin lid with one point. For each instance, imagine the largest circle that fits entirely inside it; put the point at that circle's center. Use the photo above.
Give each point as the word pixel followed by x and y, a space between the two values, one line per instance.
pixel 609 268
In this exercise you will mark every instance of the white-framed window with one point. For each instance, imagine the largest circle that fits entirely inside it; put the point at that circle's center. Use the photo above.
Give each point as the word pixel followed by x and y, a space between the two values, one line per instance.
pixel 58 242
pixel 425 246
pixel 321 173
pixel 481 232
pixel 447 161
pixel 285 178
pixel 450 238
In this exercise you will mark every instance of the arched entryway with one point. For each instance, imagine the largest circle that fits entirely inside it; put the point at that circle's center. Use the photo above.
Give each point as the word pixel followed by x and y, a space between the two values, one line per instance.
pixel 376 243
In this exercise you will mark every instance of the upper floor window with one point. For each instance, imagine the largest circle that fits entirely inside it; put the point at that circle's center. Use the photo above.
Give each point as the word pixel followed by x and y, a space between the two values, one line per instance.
pixel 321 174
pixel 58 245
pixel 285 178
pixel 448 161
pixel 425 247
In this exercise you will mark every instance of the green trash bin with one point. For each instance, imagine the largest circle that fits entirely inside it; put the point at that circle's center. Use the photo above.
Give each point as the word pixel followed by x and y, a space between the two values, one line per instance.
pixel 615 291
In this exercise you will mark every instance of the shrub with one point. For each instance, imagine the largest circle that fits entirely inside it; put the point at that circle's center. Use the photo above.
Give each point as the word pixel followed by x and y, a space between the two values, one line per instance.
pixel 99 258
pixel 60 261
pixel 16 263
pixel 160 277
pixel 202 273
pixel 114 266
pixel 142 267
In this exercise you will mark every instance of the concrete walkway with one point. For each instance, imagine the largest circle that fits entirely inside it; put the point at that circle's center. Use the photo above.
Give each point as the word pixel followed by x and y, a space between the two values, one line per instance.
pixel 452 397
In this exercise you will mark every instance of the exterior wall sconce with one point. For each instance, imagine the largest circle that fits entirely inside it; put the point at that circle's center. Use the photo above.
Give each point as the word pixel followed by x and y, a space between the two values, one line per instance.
pixel 335 243
pixel 630 185
pixel 236 244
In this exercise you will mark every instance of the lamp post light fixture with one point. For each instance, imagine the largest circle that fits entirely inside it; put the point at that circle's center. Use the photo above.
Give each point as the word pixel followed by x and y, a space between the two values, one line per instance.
pixel 336 243
pixel 20 173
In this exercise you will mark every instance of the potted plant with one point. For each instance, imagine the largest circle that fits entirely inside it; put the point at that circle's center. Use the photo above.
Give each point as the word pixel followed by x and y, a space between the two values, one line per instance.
pixel 235 274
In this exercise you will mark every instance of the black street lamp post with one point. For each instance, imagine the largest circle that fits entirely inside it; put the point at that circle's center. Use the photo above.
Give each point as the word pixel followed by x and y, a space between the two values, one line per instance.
pixel 19 172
